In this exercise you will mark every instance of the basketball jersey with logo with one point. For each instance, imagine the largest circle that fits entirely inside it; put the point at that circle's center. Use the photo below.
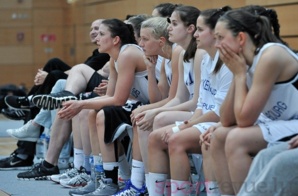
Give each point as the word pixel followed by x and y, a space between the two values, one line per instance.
pixel 189 79
pixel 139 88
pixel 214 86
pixel 282 103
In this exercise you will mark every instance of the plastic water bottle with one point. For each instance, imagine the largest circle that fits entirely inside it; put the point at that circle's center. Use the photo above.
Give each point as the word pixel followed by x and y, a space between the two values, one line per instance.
pixel 91 161
pixel 39 151
pixel 99 172
pixel 46 141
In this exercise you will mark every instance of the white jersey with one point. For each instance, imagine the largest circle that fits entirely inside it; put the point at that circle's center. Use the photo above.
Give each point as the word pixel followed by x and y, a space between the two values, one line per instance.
pixel 139 88
pixel 282 103
pixel 158 67
pixel 214 86
pixel 168 70
pixel 279 118
pixel 189 78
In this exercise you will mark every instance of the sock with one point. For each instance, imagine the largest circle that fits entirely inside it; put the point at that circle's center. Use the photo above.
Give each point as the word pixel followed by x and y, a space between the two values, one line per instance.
pixel 167 191
pixel 47 164
pixel 111 171
pixel 227 195
pixel 147 180
pixel 212 188
pixel 124 168
pixel 180 188
pixel 78 158
pixel 22 156
pixel 157 183
pixel 86 163
pixel 137 173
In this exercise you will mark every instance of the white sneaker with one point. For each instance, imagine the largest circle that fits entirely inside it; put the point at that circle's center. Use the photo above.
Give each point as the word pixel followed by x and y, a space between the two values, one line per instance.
pixel 106 187
pixel 70 173
pixel 27 132
pixel 78 181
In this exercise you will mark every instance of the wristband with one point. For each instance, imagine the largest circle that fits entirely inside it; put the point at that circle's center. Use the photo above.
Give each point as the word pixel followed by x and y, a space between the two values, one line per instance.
pixel 175 129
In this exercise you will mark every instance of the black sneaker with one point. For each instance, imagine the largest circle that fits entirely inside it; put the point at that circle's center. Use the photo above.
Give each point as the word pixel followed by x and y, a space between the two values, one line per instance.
pixel 53 100
pixel 87 95
pixel 39 172
pixel 17 103
pixel 15 114
pixel 15 163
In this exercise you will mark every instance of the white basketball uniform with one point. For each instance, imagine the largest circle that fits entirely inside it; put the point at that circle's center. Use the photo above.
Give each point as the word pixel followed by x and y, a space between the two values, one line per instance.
pixel 213 88
pixel 281 109
pixel 139 88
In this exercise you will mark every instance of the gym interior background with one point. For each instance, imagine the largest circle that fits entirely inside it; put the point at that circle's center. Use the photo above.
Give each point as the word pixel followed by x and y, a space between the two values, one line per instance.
pixel 33 31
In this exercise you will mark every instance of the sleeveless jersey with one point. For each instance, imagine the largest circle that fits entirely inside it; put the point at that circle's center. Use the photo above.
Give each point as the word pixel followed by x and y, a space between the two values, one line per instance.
pixel 189 79
pixel 282 103
pixel 139 88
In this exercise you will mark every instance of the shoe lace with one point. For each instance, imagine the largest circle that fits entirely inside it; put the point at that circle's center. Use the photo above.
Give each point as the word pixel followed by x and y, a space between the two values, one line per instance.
pixel 71 172
pixel 24 127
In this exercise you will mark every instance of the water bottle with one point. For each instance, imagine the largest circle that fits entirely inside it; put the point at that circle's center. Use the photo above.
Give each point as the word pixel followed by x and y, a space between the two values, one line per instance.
pixel 99 172
pixel 39 151
pixel 64 157
pixel 91 161
pixel 46 141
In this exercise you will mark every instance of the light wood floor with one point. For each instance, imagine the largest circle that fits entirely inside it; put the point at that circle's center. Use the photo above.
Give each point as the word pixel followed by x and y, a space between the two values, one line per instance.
pixel 7 145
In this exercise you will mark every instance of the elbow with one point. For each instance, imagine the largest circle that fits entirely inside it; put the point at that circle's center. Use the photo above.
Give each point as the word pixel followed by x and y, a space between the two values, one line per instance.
pixel 245 122
pixel 227 122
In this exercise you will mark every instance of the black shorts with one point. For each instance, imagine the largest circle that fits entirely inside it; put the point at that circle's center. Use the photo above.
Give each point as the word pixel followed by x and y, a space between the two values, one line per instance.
pixel 94 81
pixel 115 116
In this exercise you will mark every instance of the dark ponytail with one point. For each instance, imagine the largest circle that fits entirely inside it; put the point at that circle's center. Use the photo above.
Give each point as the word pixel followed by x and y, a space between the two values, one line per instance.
pixel 123 31
pixel 257 27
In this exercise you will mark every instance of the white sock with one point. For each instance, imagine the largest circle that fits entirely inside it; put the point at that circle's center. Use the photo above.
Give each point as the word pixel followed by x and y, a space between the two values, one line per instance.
pixel 180 188
pixel 124 168
pixel 168 190
pixel 109 166
pixel 86 163
pixel 78 158
pixel 227 195
pixel 212 188
pixel 147 180
pixel 157 183
pixel 137 173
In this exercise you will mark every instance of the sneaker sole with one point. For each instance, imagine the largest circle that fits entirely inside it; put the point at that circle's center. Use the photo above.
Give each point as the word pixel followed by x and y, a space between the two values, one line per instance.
pixel 35 178
pixel 28 139
pixel 47 102
pixel 15 168
pixel 73 187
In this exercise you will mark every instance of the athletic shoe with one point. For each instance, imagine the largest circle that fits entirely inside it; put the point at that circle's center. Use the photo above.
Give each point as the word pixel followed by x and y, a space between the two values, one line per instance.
pixel 39 172
pixel 131 190
pixel 67 175
pixel 15 163
pixel 17 103
pixel 106 187
pixel 87 95
pixel 79 180
pixel 15 114
pixel 89 188
pixel 53 100
pixel 27 132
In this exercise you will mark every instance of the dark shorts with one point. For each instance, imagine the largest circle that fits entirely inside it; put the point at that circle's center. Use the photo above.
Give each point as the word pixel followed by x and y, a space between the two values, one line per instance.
pixel 94 81
pixel 115 116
